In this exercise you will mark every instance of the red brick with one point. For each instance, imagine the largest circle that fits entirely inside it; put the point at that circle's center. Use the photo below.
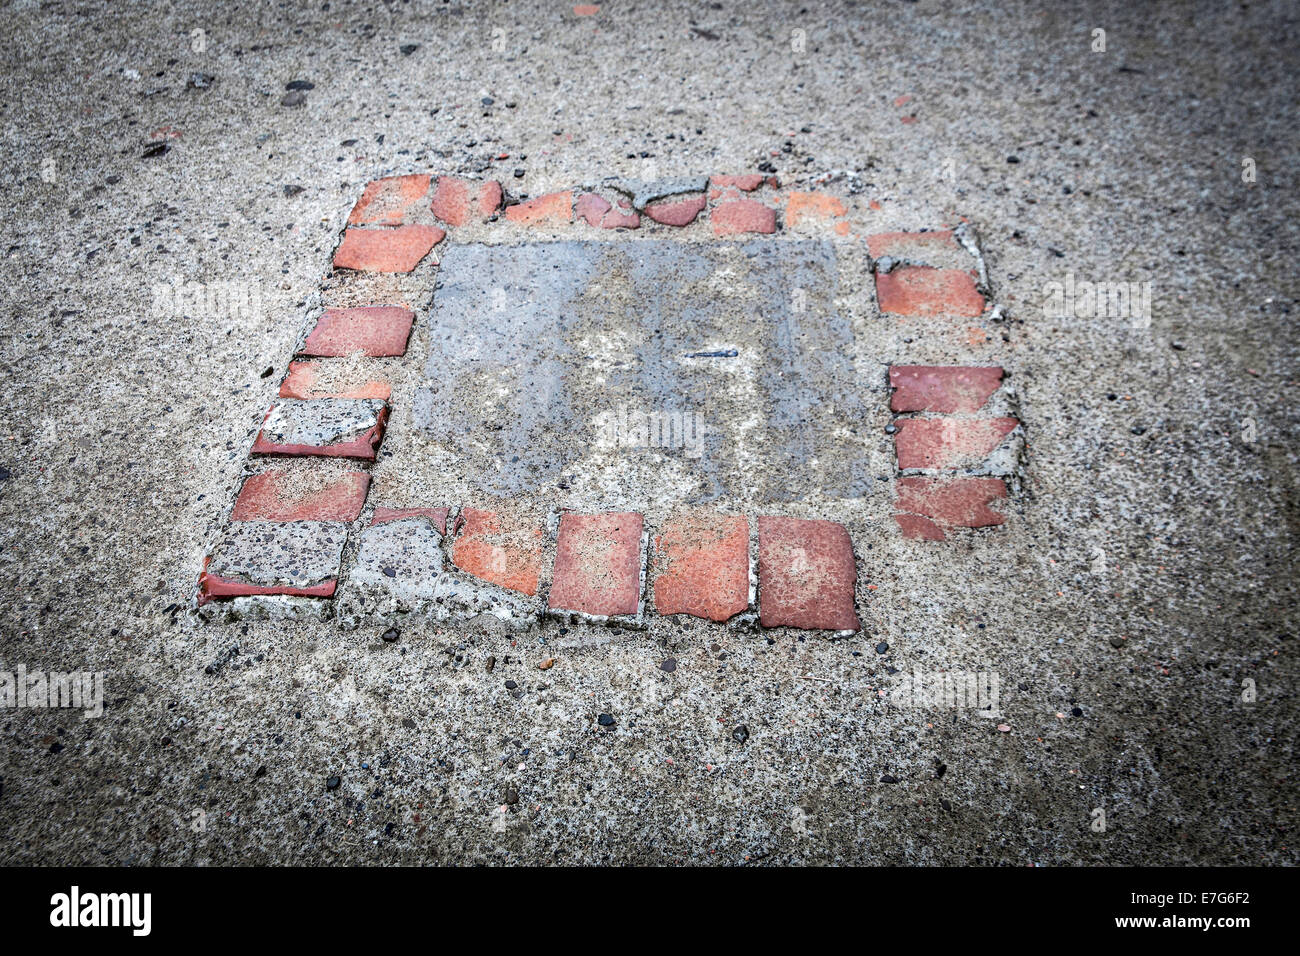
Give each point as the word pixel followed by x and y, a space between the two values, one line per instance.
pixel 597 211
pixel 807 575
pixel 396 249
pixel 802 207
pixel 702 565
pixel 745 183
pixel 586 10
pixel 949 442
pixel 923 291
pixel 500 549
pixel 313 380
pixel 907 245
pixel 942 388
pixel 551 209
pixel 598 564
pixel 742 215
pixel 950 502
pixel 385 201
pixel 458 201
pixel 676 212
pixel 213 587
pixel 438 516
pixel 376 330
pixel 279 496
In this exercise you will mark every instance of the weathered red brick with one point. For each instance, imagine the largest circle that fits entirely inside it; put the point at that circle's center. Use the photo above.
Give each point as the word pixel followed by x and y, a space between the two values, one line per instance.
pixel 950 502
pixel 598 564
pixel 942 388
pixel 745 182
pixel 502 549
pixel 702 565
pixel 949 442
pixel 551 209
pixel 213 587
pixel 393 249
pixel 597 211
pixel 807 575
pixel 676 212
pixel 742 215
pixel 376 330
pixel 326 427
pixel 457 201
pixel 315 380
pixel 438 516
pixel 385 201
pixel 924 291
pixel 282 496
pixel 912 245
pixel 586 10
pixel 914 526
pixel 803 207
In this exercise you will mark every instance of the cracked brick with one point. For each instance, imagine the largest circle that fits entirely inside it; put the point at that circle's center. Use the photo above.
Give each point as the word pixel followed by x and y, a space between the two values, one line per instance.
pixel 551 209
pixel 269 557
pixel 928 506
pixel 949 442
pixel 307 380
pixel 598 212
pixel 676 212
pixel 734 216
pixel 329 427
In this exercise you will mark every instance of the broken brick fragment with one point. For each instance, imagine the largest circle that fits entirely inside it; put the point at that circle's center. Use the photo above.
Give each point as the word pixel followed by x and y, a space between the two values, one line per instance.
pixel 676 212
pixel 327 427
pixel 734 216
pixel 501 549
pixel 949 442
pixel 375 330
pixel 457 201
pixel 438 516
pixel 597 211
pixel 745 183
pixel 950 502
pixel 550 209
pixel 384 202
pixel 812 206
pixel 308 379
pixel 702 565
pixel 392 249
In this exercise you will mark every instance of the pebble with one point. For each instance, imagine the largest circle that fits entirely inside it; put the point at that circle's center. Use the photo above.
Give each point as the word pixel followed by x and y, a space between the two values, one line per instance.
pixel 332 783
pixel 490 663
pixel 296 98
pixel 890 429
pixel 511 685
pixel 391 634
pixel 512 796
pixel 740 734
pixel 882 648
pixel 887 778
pixel 292 190
pixel 408 48
pixel 669 665
pixel 1077 711
pixel 294 85
pixel 605 720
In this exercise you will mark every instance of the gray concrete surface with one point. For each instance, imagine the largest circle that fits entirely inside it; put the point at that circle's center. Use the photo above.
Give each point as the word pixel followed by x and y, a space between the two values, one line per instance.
pixel 1145 573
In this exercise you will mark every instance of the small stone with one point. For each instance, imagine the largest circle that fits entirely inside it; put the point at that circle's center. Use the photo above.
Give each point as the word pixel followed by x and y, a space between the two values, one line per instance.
pixel 882 648
pixel 292 190
pixel 409 48
pixel 296 98
pixel 1077 711
pixel 300 85
pixel 332 783
pixel 887 778
pixel 511 685
pixel 740 734
pixel 511 796
pixel 605 720
pixel 391 635
pixel 490 663
pixel 669 665
pixel 547 664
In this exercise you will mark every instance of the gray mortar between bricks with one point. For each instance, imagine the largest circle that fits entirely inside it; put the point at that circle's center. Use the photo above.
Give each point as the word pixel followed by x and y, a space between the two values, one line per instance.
pixel 417 290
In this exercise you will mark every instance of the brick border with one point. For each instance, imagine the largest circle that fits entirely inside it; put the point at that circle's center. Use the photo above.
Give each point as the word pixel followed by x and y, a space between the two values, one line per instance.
pixel 945 432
